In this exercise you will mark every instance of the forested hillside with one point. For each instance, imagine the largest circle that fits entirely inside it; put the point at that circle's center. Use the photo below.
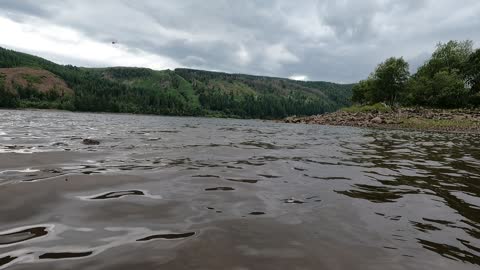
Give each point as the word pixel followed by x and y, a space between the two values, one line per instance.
pixel 179 92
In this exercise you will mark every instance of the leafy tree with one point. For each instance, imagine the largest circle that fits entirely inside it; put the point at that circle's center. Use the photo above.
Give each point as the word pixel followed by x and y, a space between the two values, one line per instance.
pixel 472 71
pixel 362 92
pixel 390 79
pixel 7 98
pixel 445 90
pixel 449 79
pixel 385 84
pixel 449 90
pixel 448 56
pixel 419 91
pixel 440 82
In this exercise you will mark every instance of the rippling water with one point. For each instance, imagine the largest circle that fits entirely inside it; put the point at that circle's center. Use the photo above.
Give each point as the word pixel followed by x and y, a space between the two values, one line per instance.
pixel 194 193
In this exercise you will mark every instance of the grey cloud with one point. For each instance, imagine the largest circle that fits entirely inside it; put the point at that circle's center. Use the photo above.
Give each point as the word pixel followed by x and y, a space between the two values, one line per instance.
pixel 335 40
pixel 27 7
pixel 350 20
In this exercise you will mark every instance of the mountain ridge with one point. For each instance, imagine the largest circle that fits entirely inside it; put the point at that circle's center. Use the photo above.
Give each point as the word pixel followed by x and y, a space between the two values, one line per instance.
pixel 181 91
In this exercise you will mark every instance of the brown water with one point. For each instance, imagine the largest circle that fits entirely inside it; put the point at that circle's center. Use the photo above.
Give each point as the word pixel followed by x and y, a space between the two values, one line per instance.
pixel 194 193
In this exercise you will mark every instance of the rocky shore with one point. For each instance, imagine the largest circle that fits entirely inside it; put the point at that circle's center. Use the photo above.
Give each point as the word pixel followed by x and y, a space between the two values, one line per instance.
pixel 461 120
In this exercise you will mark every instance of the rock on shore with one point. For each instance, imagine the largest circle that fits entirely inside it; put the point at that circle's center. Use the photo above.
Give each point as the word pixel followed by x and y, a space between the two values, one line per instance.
pixel 408 118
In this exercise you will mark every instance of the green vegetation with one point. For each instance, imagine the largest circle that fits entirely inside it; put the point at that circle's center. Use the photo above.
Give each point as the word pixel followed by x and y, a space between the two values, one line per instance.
pixel 262 97
pixel 29 97
pixel 179 92
pixel 385 84
pixel 7 99
pixel 377 108
pixel 449 79
pixel 32 79
pixel 472 71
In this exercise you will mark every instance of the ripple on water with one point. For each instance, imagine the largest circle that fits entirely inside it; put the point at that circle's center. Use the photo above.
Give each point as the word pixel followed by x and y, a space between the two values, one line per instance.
pixel 20 149
pixel 260 145
pixel 256 213
pixel 451 252
pixel 28 170
pixel 119 194
pixel 206 176
pixel 327 177
pixel 4 261
pixel 248 181
pixel 424 227
pixel 246 162
pixel 376 194
pixel 220 189
pixel 168 236
pixel 269 176
pixel 64 255
pixel 293 200
pixel 127 236
pixel 411 190
pixel 23 234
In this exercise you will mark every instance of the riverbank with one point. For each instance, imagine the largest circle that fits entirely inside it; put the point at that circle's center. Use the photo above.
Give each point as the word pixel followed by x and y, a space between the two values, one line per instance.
pixel 459 120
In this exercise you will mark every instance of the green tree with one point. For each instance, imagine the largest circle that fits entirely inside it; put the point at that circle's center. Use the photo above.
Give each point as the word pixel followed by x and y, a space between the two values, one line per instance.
pixel 390 79
pixel 385 84
pixel 471 71
pixel 440 82
pixel 445 90
pixel 448 56
pixel 449 90
pixel 7 98
pixel 362 92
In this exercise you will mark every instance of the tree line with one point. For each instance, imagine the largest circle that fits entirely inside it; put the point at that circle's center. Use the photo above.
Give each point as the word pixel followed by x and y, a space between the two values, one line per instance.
pixel 449 79
pixel 179 92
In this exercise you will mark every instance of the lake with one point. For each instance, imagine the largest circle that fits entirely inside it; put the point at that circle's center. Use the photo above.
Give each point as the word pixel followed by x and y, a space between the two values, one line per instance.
pixel 201 193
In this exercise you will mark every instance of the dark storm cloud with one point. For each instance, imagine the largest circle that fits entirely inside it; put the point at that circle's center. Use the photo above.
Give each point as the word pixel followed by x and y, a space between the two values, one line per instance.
pixel 336 40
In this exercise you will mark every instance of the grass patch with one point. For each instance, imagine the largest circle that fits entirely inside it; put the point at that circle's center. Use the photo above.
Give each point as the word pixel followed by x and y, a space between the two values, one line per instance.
pixel 421 123
pixel 235 87
pixel 32 78
pixel 377 107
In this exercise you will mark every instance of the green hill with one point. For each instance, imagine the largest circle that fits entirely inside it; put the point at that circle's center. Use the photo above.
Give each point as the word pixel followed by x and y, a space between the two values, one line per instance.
pixel 142 90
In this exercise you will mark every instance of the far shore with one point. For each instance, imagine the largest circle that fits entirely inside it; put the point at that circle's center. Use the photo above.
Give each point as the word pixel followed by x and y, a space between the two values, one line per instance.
pixel 416 119
pixel 420 119
pixel 219 116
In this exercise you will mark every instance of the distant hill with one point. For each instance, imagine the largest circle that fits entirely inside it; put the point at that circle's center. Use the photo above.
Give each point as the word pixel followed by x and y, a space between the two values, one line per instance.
pixel 30 81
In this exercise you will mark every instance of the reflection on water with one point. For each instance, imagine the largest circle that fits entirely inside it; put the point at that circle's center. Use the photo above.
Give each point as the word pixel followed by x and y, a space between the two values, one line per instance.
pixel 220 189
pixel 452 252
pixel 20 235
pixel 380 194
pixel 306 196
pixel 119 194
pixel 64 255
pixel 169 236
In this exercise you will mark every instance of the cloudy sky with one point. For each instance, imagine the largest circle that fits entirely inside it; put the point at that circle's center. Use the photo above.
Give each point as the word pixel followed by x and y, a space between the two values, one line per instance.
pixel 332 40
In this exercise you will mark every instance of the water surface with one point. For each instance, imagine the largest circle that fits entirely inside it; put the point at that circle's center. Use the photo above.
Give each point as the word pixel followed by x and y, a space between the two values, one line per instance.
pixel 195 193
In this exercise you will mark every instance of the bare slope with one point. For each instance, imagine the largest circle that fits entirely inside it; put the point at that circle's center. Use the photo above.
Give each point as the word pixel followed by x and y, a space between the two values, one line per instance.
pixel 38 79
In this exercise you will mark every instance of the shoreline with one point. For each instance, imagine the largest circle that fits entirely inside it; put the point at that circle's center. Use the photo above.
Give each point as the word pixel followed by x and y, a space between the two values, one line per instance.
pixel 136 114
pixel 455 121
pixel 462 121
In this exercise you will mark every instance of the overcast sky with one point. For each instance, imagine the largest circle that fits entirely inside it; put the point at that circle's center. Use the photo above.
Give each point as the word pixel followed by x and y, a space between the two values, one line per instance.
pixel 332 40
